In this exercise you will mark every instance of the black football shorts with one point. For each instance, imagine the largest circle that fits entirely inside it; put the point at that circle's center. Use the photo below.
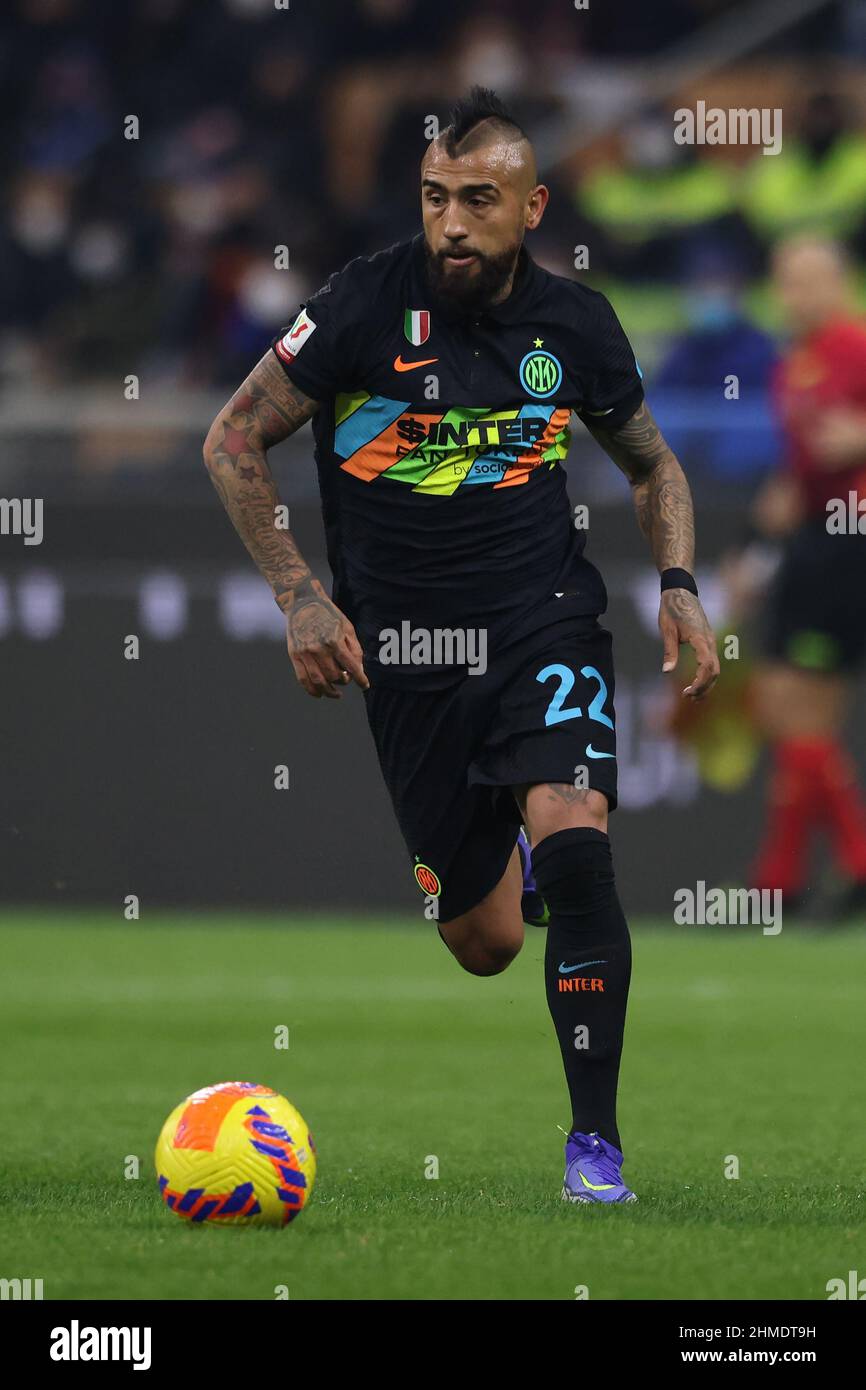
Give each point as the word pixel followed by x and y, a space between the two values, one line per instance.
pixel 816 619
pixel 541 712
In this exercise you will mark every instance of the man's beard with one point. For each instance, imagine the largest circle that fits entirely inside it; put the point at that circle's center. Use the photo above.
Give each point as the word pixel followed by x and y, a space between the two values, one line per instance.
pixel 476 291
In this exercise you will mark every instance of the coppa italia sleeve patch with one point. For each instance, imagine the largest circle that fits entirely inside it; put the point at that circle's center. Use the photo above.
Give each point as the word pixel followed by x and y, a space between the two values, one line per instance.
pixel 300 332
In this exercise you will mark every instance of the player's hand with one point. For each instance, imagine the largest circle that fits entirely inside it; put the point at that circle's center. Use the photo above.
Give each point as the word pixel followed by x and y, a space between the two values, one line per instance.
pixel 682 619
pixel 323 646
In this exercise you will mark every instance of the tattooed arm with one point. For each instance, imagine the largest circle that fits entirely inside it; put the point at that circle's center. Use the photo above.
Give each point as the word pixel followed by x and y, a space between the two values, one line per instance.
pixel 322 644
pixel 663 503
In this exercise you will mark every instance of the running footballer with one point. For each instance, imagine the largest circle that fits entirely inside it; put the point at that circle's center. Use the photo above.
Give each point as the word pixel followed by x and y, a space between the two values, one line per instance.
pixel 441 376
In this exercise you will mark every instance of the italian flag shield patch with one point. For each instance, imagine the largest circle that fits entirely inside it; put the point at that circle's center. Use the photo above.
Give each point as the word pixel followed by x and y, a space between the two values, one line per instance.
pixel 416 326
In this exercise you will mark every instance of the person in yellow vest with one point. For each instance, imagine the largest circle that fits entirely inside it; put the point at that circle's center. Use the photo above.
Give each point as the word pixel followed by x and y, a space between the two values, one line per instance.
pixel 659 198
pixel 817 182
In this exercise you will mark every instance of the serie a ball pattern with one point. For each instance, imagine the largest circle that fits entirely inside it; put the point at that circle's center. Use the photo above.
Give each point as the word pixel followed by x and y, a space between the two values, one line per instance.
pixel 236 1154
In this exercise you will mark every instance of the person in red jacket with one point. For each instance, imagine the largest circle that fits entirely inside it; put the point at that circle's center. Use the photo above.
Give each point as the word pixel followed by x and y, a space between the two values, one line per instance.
pixel 816 630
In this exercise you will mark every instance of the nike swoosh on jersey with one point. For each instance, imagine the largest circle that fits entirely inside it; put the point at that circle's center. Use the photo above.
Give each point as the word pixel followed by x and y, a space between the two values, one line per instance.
pixel 565 969
pixel 401 366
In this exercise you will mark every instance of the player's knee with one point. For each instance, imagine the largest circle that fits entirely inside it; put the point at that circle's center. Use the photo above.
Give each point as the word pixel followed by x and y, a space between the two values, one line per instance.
pixel 482 958
pixel 478 953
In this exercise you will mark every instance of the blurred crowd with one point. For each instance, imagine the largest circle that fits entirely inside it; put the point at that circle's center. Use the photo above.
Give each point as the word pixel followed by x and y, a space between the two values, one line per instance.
pixel 156 153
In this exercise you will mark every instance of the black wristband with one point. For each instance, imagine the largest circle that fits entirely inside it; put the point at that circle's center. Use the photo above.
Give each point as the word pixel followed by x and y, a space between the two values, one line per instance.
pixel 679 579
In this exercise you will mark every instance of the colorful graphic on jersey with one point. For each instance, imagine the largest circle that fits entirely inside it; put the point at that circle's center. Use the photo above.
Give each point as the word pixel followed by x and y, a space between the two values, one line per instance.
pixel 442 451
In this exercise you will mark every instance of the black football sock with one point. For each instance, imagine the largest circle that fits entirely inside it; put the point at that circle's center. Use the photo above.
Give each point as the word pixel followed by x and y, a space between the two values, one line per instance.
pixel 587 968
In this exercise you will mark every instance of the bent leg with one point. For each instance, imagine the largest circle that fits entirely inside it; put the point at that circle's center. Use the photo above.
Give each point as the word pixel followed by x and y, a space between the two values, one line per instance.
pixel 486 939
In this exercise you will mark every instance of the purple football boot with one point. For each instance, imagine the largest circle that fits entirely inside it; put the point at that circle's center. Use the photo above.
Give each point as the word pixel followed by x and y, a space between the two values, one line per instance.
pixel 592 1171
pixel 532 905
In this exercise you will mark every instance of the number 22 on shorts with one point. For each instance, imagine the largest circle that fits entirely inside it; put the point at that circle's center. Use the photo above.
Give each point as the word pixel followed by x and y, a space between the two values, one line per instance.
pixel 556 713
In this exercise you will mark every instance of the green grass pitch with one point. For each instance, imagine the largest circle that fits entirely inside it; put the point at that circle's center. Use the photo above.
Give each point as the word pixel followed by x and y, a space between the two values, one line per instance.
pixel 737 1045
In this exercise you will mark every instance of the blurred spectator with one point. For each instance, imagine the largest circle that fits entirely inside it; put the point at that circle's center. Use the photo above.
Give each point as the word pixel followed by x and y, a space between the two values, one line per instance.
pixel 720 340
pixel 730 362
pixel 303 128
pixel 647 210
pixel 817 181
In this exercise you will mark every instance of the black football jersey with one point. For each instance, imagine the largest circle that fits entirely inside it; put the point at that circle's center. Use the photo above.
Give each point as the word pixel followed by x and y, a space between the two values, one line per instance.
pixel 441 440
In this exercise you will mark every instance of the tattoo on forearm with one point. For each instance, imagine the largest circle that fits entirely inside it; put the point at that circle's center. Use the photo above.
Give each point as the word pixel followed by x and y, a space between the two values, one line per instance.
pixel 663 502
pixel 662 497
pixel 636 447
pixel 665 515
pixel 266 410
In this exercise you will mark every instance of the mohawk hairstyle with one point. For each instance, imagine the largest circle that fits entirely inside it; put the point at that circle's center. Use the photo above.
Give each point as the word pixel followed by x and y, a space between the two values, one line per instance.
pixel 482 104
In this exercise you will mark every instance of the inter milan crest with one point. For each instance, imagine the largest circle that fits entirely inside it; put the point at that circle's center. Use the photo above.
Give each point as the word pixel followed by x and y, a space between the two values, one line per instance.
pixel 416 326
pixel 540 373
pixel 427 881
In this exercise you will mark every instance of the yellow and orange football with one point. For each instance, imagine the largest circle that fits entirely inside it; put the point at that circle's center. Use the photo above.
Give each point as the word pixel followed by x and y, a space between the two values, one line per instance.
pixel 236 1154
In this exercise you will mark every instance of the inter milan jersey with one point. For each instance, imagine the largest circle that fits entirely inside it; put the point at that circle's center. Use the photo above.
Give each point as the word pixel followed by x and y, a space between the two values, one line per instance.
pixel 440 443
